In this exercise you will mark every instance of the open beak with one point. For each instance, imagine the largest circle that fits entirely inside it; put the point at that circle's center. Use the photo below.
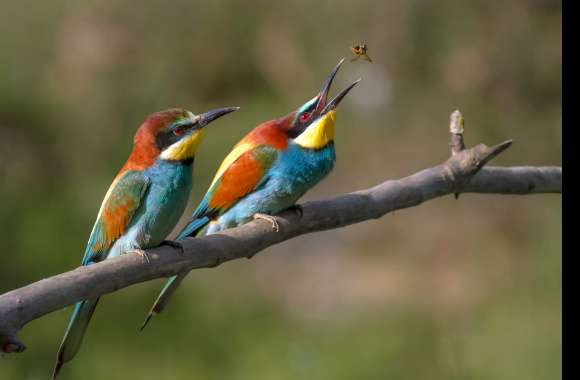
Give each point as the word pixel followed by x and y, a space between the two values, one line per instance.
pixel 338 98
pixel 323 106
pixel 209 116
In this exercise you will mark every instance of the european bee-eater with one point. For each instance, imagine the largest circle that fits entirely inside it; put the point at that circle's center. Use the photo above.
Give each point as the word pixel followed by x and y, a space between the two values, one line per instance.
pixel 144 202
pixel 267 172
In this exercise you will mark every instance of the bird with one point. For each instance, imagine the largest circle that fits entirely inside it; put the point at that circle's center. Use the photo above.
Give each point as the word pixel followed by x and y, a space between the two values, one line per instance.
pixel 266 172
pixel 360 51
pixel 144 202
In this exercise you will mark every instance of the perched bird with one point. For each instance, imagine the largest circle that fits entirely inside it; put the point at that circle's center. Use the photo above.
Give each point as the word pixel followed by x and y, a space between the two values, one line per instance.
pixel 144 202
pixel 267 172
pixel 360 51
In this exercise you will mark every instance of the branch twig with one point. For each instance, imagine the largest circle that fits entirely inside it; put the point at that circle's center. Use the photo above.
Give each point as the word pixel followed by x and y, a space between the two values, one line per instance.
pixel 461 173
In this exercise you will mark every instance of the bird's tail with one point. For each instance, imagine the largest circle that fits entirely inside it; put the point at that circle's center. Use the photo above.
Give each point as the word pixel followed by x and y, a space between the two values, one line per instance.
pixel 163 297
pixel 192 229
pixel 73 337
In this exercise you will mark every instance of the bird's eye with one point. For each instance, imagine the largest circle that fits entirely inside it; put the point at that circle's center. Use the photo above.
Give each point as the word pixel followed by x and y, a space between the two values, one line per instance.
pixel 178 131
pixel 304 117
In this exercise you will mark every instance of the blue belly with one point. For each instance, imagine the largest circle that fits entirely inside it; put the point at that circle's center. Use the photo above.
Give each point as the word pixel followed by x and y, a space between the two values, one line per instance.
pixel 161 208
pixel 295 172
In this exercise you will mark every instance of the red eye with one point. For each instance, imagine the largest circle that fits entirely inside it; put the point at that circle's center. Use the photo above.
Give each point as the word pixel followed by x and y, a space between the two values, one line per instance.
pixel 177 131
pixel 304 117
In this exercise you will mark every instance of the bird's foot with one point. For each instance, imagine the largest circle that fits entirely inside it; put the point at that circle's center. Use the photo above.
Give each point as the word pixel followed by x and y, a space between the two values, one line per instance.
pixel 297 209
pixel 174 244
pixel 269 218
pixel 143 254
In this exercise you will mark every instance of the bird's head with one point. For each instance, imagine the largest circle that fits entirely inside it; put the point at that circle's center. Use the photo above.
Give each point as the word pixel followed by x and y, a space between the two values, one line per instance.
pixel 312 124
pixel 172 134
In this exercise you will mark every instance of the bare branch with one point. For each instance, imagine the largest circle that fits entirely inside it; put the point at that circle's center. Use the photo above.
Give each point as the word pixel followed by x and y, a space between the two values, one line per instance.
pixel 516 180
pixel 456 127
pixel 461 173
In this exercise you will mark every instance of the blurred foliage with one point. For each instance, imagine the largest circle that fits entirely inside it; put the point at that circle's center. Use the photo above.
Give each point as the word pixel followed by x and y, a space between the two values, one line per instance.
pixel 467 289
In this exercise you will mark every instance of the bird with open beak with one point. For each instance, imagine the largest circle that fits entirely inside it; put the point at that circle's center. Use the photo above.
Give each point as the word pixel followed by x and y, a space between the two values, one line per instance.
pixel 267 172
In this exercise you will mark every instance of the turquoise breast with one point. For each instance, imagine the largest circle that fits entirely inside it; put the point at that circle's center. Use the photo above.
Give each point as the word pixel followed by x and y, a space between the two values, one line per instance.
pixel 295 171
pixel 301 169
pixel 161 208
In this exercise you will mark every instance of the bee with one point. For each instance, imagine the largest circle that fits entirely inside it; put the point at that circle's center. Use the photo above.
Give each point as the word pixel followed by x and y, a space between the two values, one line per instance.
pixel 360 51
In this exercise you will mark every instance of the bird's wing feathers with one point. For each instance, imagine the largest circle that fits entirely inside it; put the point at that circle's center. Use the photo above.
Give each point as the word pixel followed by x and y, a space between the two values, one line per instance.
pixel 242 171
pixel 241 175
pixel 238 150
pixel 121 201
pixel 120 204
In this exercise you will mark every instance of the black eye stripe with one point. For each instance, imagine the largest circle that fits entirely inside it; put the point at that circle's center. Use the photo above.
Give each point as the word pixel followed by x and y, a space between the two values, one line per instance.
pixel 165 139
pixel 173 134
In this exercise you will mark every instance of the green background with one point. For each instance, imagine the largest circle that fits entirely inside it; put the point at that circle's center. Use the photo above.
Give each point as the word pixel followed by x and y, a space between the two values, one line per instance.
pixel 453 289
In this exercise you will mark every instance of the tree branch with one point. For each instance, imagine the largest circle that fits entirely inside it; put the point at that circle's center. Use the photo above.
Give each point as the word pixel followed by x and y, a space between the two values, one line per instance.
pixel 462 172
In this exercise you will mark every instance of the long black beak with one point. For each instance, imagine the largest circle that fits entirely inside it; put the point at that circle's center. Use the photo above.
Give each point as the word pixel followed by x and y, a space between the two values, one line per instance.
pixel 325 89
pixel 338 98
pixel 209 116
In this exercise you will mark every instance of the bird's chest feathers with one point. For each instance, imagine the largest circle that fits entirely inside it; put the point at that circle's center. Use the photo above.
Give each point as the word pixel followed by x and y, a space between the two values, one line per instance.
pixel 170 181
pixel 160 209
pixel 305 167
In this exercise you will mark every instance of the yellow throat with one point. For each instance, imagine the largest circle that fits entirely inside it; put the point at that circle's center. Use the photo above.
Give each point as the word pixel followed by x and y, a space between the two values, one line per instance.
pixel 183 149
pixel 319 133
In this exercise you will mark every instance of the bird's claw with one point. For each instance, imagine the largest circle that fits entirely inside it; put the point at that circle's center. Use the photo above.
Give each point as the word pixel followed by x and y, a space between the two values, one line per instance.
pixel 143 255
pixel 297 209
pixel 174 244
pixel 269 218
